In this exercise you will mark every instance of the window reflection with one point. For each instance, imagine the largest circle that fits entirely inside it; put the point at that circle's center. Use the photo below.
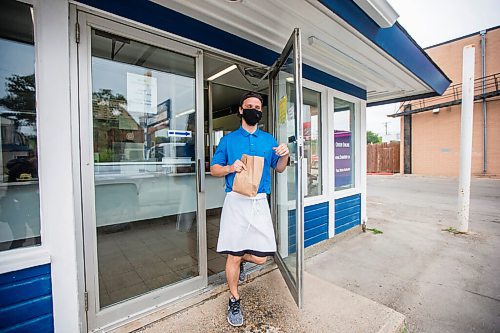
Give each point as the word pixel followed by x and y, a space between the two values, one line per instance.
pixel 144 126
pixel 19 194
pixel 312 141
pixel 143 104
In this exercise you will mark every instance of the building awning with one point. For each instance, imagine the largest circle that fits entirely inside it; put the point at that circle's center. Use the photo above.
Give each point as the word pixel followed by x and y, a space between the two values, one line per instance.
pixel 347 45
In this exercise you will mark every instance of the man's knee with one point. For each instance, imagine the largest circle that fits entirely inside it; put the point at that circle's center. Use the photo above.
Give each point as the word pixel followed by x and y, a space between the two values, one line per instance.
pixel 235 260
pixel 260 260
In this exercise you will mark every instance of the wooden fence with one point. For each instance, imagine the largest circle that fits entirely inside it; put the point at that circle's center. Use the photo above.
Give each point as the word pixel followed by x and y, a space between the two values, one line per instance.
pixel 383 157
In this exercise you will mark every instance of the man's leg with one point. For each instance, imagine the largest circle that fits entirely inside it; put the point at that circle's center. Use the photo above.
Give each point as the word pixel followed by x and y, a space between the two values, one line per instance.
pixel 233 270
pixel 255 259
pixel 249 258
pixel 234 313
pixel 232 274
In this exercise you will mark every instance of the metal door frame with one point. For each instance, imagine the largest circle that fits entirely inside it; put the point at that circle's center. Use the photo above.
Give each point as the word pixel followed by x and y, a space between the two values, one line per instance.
pixel 153 300
pixel 293 44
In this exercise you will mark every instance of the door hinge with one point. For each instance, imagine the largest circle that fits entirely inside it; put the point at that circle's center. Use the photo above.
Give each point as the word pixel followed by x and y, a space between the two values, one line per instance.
pixel 86 301
pixel 77 33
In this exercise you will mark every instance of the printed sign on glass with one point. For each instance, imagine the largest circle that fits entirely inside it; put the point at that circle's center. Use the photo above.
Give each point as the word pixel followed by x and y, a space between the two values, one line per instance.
pixel 343 162
pixel 141 93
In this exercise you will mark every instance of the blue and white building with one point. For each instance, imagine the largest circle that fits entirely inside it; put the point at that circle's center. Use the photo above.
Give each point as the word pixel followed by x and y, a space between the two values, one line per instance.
pixel 110 112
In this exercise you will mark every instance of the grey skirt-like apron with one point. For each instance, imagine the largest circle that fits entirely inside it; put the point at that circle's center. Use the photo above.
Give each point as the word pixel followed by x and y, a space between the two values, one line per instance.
pixel 246 226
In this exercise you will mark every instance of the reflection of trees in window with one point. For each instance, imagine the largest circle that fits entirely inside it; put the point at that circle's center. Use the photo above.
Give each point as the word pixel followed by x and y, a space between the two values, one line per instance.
pixel 19 205
pixel 20 96
pixel 113 125
pixel 20 100
pixel 18 145
pixel 108 106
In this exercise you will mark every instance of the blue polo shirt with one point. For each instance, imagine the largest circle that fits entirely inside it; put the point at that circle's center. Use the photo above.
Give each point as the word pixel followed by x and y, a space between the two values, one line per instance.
pixel 235 144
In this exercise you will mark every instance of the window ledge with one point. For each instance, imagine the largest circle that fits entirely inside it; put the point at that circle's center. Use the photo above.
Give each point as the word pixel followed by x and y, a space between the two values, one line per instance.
pixel 310 201
pixel 346 193
pixel 14 260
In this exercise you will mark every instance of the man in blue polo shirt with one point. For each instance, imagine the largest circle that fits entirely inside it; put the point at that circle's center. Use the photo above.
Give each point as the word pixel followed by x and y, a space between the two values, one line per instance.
pixel 246 229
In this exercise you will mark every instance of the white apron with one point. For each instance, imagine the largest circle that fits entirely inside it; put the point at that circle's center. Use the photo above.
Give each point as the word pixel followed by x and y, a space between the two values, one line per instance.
pixel 246 226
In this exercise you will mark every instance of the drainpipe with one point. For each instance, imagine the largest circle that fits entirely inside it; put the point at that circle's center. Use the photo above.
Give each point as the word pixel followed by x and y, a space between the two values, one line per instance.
pixel 483 91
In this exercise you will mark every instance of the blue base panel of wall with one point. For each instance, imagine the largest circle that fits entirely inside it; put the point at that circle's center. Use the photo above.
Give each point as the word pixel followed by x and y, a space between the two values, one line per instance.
pixel 315 226
pixel 347 213
pixel 26 301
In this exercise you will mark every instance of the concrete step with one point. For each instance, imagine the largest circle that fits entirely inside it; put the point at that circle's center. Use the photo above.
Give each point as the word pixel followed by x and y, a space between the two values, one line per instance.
pixel 268 307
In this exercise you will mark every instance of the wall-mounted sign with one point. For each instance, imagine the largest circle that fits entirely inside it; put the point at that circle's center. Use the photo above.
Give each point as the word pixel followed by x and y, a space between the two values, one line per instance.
pixel 343 161
pixel 163 114
pixel 141 93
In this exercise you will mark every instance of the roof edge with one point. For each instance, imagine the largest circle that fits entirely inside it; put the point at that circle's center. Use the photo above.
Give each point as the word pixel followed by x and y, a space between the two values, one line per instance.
pixel 380 11
pixel 403 99
pixel 462 37
pixel 426 55
pixel 394 41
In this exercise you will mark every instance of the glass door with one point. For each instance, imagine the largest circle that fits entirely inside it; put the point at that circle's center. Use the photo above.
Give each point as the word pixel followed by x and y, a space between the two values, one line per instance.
pixel 142 154
pixel 288 207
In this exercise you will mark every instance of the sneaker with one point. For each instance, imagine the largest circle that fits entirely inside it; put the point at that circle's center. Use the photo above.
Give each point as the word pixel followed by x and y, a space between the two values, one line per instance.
pixel 243 274
pixel 234 314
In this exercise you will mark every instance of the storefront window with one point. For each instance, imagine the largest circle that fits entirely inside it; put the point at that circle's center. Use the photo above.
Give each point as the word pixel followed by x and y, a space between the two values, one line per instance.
pixel 344 133
pixel 19 194
pixel 312 141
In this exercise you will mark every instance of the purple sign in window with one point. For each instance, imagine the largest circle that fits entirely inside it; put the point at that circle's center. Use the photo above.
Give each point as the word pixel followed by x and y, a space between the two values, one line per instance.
pixel 343 161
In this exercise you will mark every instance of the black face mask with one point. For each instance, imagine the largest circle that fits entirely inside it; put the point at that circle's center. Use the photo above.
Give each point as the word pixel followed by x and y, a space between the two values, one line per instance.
pixel 252 116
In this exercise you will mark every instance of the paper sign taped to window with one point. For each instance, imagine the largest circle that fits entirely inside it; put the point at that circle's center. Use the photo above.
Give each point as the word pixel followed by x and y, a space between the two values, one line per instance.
pixel 141 93
pixel 282 110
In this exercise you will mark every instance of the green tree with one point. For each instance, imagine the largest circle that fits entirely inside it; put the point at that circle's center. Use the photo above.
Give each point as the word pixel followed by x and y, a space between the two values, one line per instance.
pixel 107 109
pixel 373 137
pixel 20 99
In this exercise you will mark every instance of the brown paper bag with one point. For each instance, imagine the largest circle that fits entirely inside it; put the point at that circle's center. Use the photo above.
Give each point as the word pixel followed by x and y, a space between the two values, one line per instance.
pixel 247 181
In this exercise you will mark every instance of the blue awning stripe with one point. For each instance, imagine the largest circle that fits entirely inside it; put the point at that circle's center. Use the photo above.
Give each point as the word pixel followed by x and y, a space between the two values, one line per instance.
pixel 393 40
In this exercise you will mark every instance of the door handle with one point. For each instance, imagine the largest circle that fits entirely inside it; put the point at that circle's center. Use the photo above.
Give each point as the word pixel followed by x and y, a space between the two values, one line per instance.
pixel 201 185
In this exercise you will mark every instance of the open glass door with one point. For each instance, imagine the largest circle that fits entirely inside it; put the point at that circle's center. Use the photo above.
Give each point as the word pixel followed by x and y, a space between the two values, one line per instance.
pixel 286 100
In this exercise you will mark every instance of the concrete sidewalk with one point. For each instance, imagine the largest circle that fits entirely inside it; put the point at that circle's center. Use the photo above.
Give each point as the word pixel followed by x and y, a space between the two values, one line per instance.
pixel 269 307
pixel 440 281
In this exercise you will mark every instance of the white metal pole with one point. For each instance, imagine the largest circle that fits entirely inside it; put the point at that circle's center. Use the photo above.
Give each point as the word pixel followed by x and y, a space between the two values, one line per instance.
pixel 466 137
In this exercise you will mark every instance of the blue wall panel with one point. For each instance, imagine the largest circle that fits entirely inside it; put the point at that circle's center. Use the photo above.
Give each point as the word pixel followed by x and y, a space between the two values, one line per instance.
pixel 26 300
pixel 347 213
pixel 315 226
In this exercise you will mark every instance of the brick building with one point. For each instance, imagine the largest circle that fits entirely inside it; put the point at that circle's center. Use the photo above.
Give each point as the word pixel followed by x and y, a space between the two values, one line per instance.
pixel 430 127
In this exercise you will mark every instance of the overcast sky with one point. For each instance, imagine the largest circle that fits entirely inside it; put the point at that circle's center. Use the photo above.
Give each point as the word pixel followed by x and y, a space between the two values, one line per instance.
pixel 430 22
